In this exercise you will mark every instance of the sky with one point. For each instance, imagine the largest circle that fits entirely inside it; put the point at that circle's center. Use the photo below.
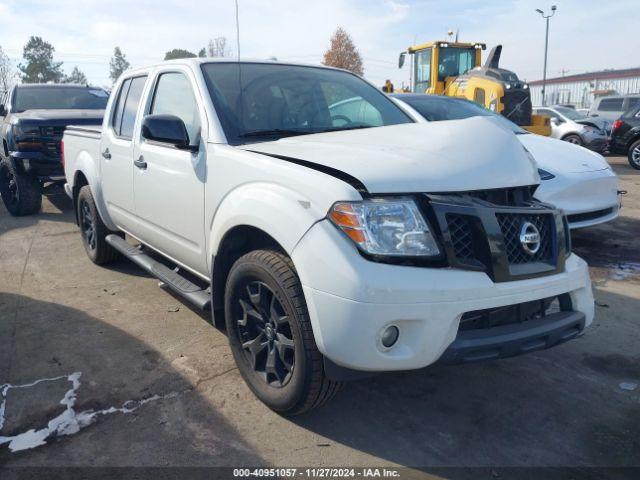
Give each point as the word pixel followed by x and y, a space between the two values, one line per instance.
pixel 585 35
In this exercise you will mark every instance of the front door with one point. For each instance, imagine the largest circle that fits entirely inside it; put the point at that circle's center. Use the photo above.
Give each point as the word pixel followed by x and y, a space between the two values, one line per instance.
pixel 169 182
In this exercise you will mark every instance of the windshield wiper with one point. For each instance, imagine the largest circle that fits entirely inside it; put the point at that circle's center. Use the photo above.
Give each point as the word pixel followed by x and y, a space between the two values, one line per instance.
pixel 340 129
pixel 275 132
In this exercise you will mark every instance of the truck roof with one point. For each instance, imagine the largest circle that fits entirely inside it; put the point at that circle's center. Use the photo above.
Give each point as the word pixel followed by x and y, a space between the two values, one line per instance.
pixel 195 62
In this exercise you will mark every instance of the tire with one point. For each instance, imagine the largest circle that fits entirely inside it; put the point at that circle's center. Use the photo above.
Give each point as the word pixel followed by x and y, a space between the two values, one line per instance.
pixel 575 139
pixel 21 193
pixel 265 311
pixel 634 155
pixel 93 230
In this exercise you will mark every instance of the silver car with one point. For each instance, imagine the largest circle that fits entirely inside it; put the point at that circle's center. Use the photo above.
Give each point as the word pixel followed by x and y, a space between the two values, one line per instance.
pixel 569 125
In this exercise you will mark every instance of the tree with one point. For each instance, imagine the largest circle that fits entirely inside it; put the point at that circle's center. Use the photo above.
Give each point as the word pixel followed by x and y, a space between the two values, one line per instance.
pixel 7 74
pixel 202 53
pixel 217 47
pixel 76 77
pixel 40 67
pixel 343 53
pixel 178 53
pixel 117 64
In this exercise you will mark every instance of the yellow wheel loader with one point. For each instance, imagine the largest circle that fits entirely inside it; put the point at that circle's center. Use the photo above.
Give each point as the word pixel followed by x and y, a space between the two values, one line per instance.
pixel 454 69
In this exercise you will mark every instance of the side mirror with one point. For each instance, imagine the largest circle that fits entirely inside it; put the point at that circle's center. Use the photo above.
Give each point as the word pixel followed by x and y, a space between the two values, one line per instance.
pixel 167 129
pixel 555 121
pixel 401 59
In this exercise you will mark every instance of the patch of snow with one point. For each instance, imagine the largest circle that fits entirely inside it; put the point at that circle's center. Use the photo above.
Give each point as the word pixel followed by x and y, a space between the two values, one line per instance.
pixel 69 421
pixel 622 271
pixel 628 386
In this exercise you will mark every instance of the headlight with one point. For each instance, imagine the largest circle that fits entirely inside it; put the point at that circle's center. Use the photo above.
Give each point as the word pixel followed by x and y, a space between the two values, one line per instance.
pixel 544 175
pixel 386 226
pixel 20 131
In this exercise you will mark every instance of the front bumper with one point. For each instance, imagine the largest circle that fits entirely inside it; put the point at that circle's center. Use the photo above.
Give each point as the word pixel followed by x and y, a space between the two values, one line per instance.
pixel 515 339
pixel 587 198
pixel 598 144
pixel 38 164
pixel 351 301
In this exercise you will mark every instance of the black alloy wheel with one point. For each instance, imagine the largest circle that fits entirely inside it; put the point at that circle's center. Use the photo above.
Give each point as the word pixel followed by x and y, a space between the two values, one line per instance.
pixel 87 225
pixel 265 333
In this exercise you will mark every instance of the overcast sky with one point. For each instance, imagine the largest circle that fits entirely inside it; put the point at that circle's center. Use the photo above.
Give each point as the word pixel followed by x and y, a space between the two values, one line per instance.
pixel 585 35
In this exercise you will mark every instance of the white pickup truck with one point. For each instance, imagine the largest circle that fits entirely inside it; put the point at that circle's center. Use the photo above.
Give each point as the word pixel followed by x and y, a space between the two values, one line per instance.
pixel 335 238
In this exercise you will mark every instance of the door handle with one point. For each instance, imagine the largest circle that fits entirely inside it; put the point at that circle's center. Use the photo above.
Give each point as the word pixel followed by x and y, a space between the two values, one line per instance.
pixel 106 154
pixel 140 163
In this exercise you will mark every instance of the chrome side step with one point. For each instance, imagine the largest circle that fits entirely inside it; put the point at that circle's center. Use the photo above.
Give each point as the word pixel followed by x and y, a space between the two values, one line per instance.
pixel 194 294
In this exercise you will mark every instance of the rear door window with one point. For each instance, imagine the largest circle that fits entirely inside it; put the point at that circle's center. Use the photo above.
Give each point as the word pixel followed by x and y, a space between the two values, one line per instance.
pixel 116 119
pixel 131 106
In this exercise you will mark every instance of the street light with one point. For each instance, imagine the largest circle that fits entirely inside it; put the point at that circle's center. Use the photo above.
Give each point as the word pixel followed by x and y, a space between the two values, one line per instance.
pixel 546 45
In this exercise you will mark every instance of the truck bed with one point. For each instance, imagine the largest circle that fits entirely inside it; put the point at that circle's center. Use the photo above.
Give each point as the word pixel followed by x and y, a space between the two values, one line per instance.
pixel 91 131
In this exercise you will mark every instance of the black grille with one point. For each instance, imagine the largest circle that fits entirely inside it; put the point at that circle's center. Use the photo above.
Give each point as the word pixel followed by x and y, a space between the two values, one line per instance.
pixel 461 237
pixel 522 312
pixel 52 148
pixel 511 224
pixel 51 131
pixel 517 106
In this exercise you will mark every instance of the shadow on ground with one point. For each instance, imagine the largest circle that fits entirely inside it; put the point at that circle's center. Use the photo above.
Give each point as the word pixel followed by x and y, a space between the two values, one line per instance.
pixel 559 407
pixel 182 429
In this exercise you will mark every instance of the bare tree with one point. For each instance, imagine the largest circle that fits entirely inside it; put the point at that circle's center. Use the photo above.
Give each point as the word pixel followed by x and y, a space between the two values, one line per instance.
pixel 217 47
pixel 7 72
pixel 342 53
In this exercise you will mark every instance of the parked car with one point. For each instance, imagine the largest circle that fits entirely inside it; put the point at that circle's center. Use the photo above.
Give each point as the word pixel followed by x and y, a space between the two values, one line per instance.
pixel 569 125
pixel 611 107
pixel 625 136
pixel 333 248
pixel 32 120
pixel 578 181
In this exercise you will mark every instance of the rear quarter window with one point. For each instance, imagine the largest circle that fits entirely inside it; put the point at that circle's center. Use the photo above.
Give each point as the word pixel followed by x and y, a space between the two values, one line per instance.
pixel 610 105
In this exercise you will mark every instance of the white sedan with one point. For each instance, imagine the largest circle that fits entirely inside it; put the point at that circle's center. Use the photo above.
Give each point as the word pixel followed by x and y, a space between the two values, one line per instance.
pixel 575 179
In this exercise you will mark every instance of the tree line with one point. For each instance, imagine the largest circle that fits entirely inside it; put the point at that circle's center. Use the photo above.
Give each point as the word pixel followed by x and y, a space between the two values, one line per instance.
pixel 40 67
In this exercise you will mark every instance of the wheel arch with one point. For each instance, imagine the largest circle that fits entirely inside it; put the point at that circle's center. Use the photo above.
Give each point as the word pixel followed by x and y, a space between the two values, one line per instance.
pixel 86 170
pixel 238 241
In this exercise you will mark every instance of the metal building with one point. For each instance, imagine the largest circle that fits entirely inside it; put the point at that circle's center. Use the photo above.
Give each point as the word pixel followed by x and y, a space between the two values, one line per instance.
pixel 581 89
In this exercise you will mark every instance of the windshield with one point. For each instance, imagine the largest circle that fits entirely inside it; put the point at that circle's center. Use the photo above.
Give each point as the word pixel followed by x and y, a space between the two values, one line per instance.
pixel 436 109
pixel 258 102
pixel 455 61
pixel 570 113
pixel 59 98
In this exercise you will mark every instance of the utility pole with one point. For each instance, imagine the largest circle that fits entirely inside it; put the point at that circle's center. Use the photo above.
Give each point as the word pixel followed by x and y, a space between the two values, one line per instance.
pixel 546 45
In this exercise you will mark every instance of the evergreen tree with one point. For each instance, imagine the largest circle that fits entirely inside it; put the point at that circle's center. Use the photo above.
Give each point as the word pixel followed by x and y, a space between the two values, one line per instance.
pixel 117 64
pixel 40 67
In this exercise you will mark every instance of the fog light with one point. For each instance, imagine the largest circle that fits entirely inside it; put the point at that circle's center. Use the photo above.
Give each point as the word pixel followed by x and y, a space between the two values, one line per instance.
pixel 390 336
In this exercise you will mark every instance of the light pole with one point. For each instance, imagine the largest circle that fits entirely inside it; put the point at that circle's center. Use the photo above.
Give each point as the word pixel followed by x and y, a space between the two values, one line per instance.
pixel 546 45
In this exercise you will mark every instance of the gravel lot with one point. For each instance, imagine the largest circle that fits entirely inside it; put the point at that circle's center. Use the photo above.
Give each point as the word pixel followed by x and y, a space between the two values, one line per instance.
pixel 136 346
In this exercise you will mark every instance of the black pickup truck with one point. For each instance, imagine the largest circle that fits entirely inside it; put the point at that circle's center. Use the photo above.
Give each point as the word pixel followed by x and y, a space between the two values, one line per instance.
pixel 32 120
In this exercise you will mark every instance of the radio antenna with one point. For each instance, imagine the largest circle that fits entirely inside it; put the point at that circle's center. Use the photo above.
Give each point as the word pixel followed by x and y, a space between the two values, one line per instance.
pixel 238 30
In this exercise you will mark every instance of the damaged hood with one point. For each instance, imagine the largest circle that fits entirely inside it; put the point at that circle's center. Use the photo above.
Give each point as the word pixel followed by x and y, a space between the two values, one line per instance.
pixel 456 155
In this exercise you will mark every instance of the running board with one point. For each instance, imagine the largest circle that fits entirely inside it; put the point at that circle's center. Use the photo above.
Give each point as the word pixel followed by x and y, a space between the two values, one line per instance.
pixel 173 280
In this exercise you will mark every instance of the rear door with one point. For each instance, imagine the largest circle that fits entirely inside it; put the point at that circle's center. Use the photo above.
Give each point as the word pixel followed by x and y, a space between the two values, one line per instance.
pixel 169 188
pixel 116 152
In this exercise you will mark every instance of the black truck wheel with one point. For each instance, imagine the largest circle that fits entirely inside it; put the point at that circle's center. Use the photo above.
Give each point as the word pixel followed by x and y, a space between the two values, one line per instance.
pixel 270 334
pixel 21 193
pixel 93 230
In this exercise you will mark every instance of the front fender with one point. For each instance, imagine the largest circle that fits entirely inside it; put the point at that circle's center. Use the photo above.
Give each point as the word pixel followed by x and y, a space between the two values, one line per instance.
pixel 84 163
pixel 284 214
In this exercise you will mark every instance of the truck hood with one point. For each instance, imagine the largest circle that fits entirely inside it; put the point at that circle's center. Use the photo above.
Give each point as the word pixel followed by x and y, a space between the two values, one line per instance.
pixel 557 156
pixel 448 156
